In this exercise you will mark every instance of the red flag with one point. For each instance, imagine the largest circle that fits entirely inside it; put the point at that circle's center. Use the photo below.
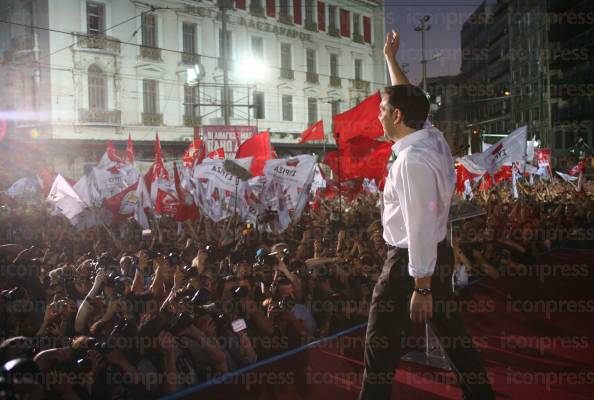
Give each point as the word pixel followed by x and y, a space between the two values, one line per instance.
pixel 314 132
pixel 194 154
pixel 111 153
pixel 130 150
pixel 580 168
pixel 462 174
pixel 258 146
pixel 122 204
pixel 217 154
pixel 504 173
pixel 184 211
pixel 361 157
pixel 359 120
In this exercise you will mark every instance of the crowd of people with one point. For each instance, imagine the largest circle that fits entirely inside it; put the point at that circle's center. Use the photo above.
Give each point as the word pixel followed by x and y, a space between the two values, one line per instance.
pixel 124 312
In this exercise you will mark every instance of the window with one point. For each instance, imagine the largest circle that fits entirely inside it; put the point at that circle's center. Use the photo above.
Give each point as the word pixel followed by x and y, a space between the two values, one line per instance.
pixel 356 24
pixel 332 17
pixel 149 30
pixel 229 102
pixel 257 47
pixel 95 18
pixel 190 101
pixel 297 11
pixel 321 16
pixel 334 65
pixel 345 23
pixel 309 11
pixel 367 29
pixel 286 62
pixel 311 60
pixel 335 107
pixel 189 37
pixel 284 8
pixel 358 70
pixel 312 110
pixel 97 89
pixel 287 108
pixel 151 96
pixel 259 105
pixel 228 45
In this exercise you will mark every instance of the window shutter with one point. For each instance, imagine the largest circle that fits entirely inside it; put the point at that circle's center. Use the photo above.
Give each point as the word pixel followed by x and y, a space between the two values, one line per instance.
pixel 297 11
pixel 367 29
pixel 321 16
pixel 271 8
pixel 240 4
pixel 345 23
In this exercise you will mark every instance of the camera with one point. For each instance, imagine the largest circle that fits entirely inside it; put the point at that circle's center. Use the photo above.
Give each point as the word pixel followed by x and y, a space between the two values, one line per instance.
pixel 174 258
pixel 16 293
pixel 286 304
pixel 211 252
pixel 239 292
pixel 201 297
pixel 180 322
pixel 189 271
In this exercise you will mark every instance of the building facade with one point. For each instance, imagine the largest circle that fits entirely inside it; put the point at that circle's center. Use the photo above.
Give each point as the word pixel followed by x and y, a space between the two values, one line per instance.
pixel 81 72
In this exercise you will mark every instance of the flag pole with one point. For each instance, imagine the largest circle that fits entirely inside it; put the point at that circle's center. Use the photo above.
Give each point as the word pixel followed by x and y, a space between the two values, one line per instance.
pixel 339 180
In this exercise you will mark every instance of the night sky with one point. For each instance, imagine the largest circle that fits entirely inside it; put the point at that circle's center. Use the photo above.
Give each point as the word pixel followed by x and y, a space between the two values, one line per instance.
pixel 447 17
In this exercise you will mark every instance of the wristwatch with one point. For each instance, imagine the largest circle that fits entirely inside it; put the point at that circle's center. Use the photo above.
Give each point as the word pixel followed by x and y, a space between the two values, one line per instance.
pixel 422 291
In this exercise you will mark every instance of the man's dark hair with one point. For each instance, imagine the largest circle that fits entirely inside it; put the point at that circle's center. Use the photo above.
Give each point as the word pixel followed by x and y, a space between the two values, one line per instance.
pixel 411 101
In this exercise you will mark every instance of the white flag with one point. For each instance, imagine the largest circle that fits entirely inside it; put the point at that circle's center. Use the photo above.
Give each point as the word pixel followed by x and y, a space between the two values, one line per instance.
pixel 65 198
pixel 566 177
pixel 506 151
pixel 23 186
pixel 143 200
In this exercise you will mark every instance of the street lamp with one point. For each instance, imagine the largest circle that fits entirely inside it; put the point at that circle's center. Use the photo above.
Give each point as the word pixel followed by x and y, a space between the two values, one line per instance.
pixel 423 28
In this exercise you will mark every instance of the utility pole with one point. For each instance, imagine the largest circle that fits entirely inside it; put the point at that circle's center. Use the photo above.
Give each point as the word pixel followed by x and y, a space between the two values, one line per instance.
pixel 223 5
pixel 423 28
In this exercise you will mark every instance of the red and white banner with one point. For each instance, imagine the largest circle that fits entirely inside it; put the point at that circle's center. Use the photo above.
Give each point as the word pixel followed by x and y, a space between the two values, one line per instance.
pixel 544 157
pixel 228 137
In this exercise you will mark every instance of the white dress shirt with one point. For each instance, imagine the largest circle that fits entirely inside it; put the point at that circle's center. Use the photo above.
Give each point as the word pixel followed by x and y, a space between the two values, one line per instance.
pixel 417 197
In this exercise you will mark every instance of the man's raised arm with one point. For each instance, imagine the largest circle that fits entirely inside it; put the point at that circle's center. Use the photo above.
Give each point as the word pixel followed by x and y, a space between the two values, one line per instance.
pixel 390 49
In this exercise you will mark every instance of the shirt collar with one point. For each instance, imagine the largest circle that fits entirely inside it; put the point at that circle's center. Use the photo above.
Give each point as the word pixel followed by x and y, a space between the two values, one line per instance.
pixel 409 139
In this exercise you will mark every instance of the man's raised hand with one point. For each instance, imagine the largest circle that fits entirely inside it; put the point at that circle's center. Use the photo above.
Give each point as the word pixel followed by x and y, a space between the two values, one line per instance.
pixel 392 45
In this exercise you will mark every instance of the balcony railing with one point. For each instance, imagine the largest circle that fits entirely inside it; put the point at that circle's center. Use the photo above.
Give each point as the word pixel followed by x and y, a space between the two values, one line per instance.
pixel 113 117
pixel 191 120
pixel 311 26
pixel 98 42
pixel 286 73
pixel 190 59
pixel 333 31
pixel 358 38
pixel 286 19
pixel 335 81
pixel 312 77
pixel 150 53
pixel 257 10
pixel 360 85
pixel 20 43
pixel 152 119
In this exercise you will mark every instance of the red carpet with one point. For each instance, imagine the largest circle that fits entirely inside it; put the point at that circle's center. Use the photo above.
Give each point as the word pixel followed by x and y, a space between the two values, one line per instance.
pixel 535 334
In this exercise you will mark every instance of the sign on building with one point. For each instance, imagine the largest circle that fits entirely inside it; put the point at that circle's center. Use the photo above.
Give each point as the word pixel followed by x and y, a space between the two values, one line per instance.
pixel 228 137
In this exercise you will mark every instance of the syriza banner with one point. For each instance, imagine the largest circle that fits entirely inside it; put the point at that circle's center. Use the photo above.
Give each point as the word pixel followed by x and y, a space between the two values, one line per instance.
pixel 294 174
pixel 215 172
pixel 227 137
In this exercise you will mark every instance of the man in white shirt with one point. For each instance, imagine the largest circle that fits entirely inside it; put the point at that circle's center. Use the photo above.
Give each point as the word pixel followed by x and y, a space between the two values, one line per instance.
pixel 415 283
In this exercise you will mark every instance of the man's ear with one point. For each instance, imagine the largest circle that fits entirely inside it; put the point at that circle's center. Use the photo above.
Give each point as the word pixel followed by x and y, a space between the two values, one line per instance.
pixel 398 116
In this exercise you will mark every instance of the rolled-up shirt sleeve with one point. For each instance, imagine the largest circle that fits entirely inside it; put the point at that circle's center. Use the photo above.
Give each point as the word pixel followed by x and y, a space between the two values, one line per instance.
pixel 419 201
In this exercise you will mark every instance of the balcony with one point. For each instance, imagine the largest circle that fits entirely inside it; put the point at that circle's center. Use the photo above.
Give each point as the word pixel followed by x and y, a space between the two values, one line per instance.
pixel 152 119
pixel 191 120
pixel 257 10
pixel 21 43
pixel 150 53
pixel 286 19
pixel 108 117
pixel 358 38
pixel 335 81
pixel 98 42
pixel 311 26
pixel 312 77
pixel 286 73
pixel 333 31
pixel 190 59
pixel 357 84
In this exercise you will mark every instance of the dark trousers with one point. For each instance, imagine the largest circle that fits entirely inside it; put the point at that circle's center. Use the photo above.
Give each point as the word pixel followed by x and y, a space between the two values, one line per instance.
pixel 389 323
